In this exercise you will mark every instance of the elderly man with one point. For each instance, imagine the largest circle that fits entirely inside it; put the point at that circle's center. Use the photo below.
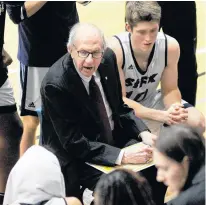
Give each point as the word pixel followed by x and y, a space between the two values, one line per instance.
pixel 84 117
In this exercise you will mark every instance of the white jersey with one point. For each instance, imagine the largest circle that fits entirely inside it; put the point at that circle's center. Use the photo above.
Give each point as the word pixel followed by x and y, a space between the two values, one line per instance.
pixel 141 86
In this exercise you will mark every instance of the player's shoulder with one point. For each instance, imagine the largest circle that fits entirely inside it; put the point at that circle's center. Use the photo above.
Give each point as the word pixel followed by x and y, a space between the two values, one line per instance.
pixel 173 50
pixel 116 41
pixel 172 43
pixel 115 44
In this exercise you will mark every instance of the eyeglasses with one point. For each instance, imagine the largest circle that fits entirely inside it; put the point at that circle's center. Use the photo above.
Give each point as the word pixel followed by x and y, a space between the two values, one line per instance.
pixel 85 54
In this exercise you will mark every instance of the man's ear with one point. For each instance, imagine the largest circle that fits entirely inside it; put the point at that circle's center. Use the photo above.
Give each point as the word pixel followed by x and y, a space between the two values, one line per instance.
pixel 128 27
pixel 69 49
pixel 186 163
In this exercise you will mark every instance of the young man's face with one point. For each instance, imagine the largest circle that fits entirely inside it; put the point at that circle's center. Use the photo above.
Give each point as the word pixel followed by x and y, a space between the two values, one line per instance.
pixel 87 44
pixel 143 35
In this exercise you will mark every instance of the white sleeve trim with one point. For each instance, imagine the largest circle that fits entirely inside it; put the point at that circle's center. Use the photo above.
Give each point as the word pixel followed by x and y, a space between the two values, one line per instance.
pixel 119 158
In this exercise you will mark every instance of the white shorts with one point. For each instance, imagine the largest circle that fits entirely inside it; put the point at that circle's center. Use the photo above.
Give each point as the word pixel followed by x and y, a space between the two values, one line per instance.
pixel 158 104
pixel 30 84
pixel 7 101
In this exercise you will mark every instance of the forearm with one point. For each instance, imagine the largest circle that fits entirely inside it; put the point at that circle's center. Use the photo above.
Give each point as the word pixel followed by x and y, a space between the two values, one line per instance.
pixel 63 113
pixel 144 112
pixel 171 97
pixel 33 6
pixel 20 11
pixel 82 148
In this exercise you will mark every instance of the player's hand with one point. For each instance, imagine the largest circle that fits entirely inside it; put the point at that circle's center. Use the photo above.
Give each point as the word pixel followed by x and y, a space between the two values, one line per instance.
pixel 167 118
pixel 178 113
pixel 142 156
pixel 148 138
pixel 7 60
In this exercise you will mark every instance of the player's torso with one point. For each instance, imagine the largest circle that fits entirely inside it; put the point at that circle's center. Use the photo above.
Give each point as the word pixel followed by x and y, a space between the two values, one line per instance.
pixel 141 85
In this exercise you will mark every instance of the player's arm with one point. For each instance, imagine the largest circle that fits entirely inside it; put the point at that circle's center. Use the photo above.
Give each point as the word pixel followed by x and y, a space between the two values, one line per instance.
pixel 169 87
pixel 19 11
pixel 140 110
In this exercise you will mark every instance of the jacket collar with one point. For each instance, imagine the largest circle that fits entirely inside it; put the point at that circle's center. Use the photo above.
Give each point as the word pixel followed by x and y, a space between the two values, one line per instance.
pixel 199 176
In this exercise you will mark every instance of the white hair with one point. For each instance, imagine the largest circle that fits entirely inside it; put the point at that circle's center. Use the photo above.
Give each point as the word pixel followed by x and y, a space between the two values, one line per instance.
pixel 74 31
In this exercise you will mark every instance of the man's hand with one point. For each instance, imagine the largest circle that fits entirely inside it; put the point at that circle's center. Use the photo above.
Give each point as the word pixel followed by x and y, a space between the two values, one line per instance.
pixel 138 156
pixel 7 60
pixel 148 138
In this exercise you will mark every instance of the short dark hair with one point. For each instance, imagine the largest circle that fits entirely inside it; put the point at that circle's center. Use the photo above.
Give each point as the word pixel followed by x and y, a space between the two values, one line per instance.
pixel 123 187
pixel 137 11
pixel 178 141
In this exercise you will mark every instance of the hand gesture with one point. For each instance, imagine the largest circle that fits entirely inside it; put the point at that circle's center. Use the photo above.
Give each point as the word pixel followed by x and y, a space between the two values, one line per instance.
pixel 148 138
pixel 7 60
pixel 177 114
pixel 144 155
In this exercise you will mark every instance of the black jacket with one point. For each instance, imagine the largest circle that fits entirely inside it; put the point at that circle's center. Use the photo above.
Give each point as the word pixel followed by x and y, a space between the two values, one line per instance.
pixel 69 124
pixel 195 193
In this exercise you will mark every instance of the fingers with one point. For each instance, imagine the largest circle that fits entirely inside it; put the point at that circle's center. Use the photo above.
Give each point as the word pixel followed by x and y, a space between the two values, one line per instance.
pixel 146 148
pixel 177 105
pixel 148 157
pixel 180 117
pixel 171 122
pixel 137 157
pixel 177 115
pixel 142 158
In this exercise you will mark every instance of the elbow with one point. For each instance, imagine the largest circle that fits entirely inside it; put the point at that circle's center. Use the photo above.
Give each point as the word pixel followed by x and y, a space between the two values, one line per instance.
pixel 14 16
pixel 15 20
pixel 16 13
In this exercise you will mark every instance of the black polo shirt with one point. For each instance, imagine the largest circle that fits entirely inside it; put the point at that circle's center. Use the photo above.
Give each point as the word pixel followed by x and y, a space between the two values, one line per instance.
pixel 44 35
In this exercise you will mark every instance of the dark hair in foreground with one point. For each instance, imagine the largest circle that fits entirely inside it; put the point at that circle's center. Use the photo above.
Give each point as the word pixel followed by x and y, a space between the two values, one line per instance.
pixel 178 141
pixel 123 187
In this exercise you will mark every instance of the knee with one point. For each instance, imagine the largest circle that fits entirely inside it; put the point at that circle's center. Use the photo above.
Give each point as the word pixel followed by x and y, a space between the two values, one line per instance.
pixel 198 121
pixel 201 123
pixel 73 201
pixel 30 122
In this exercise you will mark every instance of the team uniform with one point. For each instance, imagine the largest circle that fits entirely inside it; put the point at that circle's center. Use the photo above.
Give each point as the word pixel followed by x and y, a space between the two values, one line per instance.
pixel 141 86
pixel 42 41
pixel 7 102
